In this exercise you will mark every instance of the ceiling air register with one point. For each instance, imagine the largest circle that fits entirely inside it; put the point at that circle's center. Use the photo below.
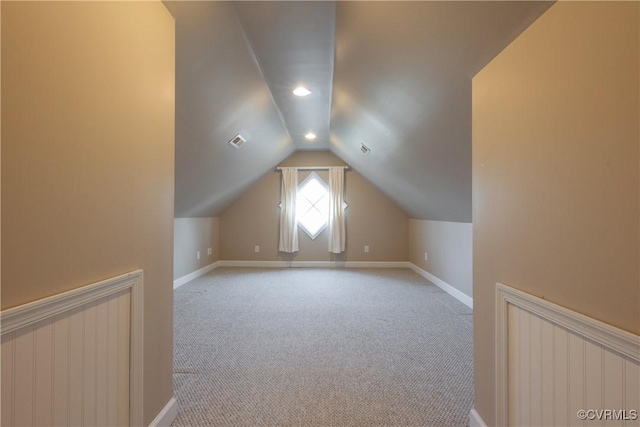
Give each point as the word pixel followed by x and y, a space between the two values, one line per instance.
pixel 237 141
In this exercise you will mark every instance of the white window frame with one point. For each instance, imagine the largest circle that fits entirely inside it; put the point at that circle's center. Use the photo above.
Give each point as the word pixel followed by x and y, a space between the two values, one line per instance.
pixel 312 176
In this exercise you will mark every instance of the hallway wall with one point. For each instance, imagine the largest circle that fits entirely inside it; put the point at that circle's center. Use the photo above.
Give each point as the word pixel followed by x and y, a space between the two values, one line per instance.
pixel 88 159
pixel 556 173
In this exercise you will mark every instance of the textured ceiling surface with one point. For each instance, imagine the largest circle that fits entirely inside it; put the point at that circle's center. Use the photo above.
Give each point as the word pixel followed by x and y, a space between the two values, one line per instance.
pixel 395 76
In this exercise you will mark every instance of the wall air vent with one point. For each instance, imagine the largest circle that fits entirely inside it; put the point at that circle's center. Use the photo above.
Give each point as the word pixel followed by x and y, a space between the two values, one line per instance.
pixel 237 141
pixel 365 149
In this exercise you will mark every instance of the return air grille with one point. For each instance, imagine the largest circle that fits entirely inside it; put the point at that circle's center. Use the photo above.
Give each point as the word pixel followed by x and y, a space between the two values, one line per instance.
pixel 237 141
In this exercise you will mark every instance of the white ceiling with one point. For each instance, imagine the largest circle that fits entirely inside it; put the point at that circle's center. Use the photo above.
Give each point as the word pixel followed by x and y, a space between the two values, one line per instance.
pixel 294 44
pixel 395 76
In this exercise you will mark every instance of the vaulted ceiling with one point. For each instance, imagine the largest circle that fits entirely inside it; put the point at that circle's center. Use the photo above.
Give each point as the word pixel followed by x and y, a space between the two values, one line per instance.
pixel 394 76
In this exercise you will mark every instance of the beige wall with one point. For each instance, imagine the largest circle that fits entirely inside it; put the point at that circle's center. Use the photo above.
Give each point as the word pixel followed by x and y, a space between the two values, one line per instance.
pixel 372 219
pixel 448 245
pixel 87 158
pixel 556 172
pixel 191 235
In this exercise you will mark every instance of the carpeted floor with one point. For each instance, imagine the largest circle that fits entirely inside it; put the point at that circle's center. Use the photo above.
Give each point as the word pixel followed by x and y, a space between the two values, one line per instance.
pixel 342 347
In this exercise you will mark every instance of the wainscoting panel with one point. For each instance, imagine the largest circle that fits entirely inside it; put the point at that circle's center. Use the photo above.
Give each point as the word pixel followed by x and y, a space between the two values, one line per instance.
pixel 553 362
pixel 67 360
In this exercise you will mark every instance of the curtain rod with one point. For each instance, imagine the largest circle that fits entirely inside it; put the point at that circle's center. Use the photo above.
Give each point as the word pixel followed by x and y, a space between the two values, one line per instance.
pixel 310 168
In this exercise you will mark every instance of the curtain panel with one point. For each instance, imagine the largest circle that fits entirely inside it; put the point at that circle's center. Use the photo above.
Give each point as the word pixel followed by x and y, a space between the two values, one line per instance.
pixel 288 224
pixel 337 234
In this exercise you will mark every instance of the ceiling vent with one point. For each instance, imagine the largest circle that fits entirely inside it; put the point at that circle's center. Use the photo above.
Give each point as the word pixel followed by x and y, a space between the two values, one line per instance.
pixel 365 149
pixel 237 141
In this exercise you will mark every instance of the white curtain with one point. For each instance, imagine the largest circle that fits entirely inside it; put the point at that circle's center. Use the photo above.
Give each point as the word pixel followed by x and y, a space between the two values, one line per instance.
pixel 288 224
pixel 337 235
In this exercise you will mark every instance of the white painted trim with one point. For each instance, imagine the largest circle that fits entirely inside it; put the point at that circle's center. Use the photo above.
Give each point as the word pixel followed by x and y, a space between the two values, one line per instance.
pixel 27 314
pixel 194 275
pixel 18 317
pixel 475 420
pixel 460 296
pixel 502 358
pixel 167 415
pixel 315 264
pixel 136 358
pixel 311 168
pixel 323 184
pixel 465 299
pixel 618 340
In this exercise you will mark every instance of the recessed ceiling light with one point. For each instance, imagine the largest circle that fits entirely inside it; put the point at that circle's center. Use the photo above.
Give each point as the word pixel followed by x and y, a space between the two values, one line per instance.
pixel 301 91
pixel 310 135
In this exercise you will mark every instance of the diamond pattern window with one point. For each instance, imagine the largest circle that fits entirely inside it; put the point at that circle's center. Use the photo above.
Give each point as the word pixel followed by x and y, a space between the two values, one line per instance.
pixel 313 205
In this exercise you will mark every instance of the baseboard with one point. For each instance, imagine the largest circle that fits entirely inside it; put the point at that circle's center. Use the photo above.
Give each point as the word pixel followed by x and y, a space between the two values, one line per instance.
pixel 463 298
pixel 315 264
pixel 167 415
pixel 475 420
pixel 189 277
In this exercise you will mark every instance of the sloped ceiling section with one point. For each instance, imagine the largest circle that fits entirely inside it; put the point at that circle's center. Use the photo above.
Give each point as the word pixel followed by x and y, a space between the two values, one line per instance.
pixel 395 76
pixel 220 92
pixel 402 86
pixel 294 44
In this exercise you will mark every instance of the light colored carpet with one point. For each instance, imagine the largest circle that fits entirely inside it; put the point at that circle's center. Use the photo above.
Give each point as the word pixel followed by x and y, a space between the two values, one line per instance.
pixel 343 347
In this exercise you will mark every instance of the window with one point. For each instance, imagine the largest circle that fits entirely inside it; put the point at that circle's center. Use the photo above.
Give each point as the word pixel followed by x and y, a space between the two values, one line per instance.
pixel 313 205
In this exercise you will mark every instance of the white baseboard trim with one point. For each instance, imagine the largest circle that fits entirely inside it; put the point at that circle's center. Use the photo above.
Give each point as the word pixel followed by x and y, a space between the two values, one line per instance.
pixel 315 264
pixel 465 299
pixel 475 420
pixel 189 277
pixel 462 297
pixel 167 415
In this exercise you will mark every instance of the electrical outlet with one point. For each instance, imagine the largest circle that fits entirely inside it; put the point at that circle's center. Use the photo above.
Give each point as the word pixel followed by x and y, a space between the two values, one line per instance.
pixel 366 249
pixel 256 248
pixel 426 256
pixel 198 255
pixel 209 251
